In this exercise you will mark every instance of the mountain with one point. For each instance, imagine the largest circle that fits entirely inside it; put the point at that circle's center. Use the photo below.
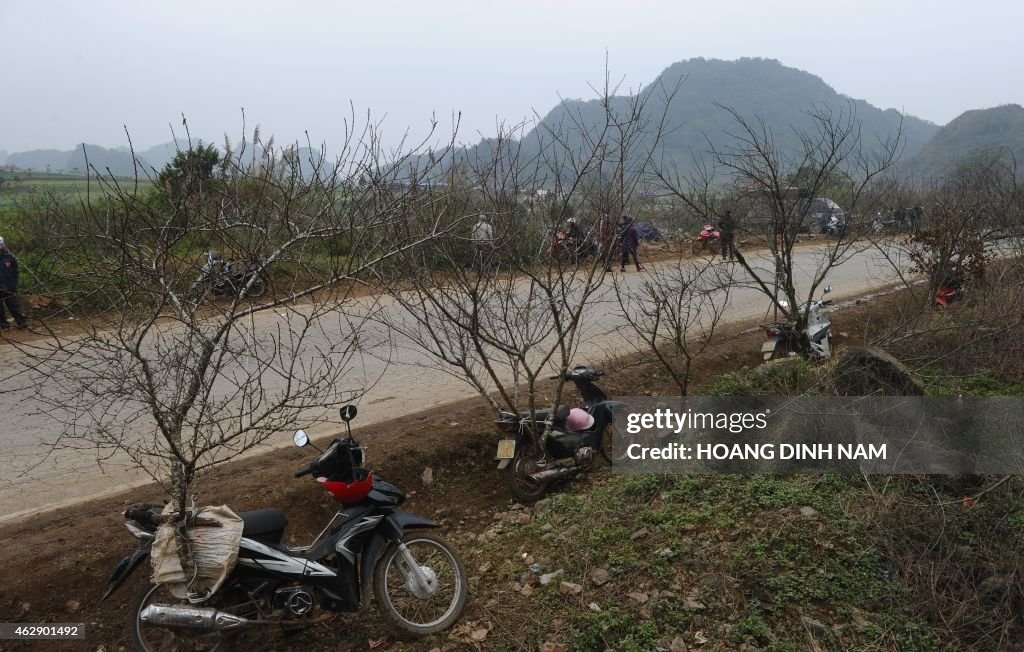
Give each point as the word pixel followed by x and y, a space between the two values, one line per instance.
pixel 160 155
pixel 755 88
pixel 102 159
pixel 40 159
pixel 120 163
pixel 972 132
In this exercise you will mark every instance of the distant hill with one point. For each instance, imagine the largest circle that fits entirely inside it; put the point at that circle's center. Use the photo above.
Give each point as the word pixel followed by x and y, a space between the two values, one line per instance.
pixel 762 88
pixel 968 134
pixel 160 155
pixel 119 159
pixel 54 160
pixel 40 159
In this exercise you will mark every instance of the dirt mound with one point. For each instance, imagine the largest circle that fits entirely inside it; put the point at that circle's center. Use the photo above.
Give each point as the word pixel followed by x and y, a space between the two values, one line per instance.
pixel 863 371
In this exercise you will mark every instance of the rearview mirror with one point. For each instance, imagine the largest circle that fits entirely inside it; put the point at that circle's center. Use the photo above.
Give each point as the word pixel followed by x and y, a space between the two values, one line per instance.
pixel 300 438
pixel 828 288
pixel 783 303
pixel 348 413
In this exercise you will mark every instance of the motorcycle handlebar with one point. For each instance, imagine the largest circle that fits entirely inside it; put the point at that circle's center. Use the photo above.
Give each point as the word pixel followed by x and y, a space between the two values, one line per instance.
pixel 305 471
pixel 140 515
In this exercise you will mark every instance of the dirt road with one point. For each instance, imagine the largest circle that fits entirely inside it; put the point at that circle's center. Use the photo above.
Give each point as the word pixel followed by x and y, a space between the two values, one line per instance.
pixel 412 384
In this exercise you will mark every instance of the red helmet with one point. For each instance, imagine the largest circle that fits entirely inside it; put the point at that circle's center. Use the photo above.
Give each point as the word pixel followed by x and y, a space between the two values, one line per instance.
pixel 350 492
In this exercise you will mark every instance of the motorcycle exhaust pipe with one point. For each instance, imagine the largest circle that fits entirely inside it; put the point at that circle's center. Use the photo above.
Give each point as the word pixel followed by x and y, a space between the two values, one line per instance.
pixel 208 619
pixel 553 474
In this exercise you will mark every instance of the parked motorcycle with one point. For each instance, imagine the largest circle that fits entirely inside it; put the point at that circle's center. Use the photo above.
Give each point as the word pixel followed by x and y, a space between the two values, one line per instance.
pixel 225 278
pixel 563 244
pixel 418 580
pixel 834 227
pixel 784 338
pixel 568 441
pixel 709 239
pixel 950 289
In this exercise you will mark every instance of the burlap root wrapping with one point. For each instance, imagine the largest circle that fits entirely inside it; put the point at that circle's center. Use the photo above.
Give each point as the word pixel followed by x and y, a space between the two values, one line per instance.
pixel 214 549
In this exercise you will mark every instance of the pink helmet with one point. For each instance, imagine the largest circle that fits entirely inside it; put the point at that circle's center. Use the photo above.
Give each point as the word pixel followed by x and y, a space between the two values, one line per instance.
pixel 579 419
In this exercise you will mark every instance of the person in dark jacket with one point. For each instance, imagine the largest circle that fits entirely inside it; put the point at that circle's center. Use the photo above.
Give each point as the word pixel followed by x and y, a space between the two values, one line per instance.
pixel 727 229
pixel 9 288
pixel 629 240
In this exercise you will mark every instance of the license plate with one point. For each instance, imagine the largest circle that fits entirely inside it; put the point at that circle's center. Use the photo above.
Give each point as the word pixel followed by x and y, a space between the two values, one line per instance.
pixel 768 347
pixel 506 449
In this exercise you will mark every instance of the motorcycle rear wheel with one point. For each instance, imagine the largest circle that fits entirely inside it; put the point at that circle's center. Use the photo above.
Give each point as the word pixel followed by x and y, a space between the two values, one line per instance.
pixel 148 638
pixel 517 476
pixel 397 597
pixel 781 350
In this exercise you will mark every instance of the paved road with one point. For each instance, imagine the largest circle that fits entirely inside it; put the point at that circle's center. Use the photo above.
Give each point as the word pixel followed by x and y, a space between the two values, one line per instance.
pixel 72 476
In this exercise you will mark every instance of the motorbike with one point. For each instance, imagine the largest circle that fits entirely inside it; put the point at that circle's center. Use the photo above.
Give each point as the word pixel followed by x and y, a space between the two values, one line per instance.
pixel 225 278
pixel 417 579
pixel 581 248
pixel 834 227
pixel 950 289
pixel 528 471
pixel 783 338
pixel 709 239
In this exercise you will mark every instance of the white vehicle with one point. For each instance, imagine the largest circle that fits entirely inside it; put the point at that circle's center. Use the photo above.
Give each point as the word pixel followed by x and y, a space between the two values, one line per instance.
pixel 784 340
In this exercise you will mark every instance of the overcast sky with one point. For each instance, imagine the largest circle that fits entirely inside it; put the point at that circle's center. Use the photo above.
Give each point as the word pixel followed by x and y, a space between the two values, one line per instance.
pixel 80 71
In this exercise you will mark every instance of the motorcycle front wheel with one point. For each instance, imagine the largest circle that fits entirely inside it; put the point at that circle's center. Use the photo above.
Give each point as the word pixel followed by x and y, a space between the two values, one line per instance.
pixel 257 289
pixel 608 444
pixel 413 609
pixel 698 247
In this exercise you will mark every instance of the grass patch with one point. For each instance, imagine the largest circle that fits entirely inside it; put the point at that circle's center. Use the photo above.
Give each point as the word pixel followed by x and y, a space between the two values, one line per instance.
pixel 733 560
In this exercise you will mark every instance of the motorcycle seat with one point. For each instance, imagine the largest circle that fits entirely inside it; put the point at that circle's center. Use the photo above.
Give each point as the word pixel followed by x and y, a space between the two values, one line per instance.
pixel 542 415
pixel 266 525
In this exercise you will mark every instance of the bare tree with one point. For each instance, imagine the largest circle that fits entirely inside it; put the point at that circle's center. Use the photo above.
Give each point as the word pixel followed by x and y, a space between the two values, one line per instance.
pixel 178 367
pixel 773 184
pixel 675 312
pixel 971 216
pixel 504 332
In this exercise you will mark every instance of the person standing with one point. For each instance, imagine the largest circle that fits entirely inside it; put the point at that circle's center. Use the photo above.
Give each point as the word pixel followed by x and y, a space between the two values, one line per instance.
pixel 9 288
pixel 629 240
pixel 483 244
pixel 727 231
pixel 606 240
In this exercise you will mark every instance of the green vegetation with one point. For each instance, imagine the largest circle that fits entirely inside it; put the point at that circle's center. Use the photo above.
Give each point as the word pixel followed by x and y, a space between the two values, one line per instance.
pixel 765 561
pixel 21 190
pixel 981 384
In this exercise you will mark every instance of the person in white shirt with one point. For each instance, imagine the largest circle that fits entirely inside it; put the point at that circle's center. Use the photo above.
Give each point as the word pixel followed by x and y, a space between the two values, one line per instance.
pixel 483 244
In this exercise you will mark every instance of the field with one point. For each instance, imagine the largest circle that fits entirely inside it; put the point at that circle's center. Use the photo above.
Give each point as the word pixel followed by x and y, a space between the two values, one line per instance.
pixel 22 188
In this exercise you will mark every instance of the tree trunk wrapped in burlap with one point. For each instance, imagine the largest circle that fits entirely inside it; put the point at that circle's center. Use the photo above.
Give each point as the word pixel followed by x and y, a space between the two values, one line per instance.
pixel 214 545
